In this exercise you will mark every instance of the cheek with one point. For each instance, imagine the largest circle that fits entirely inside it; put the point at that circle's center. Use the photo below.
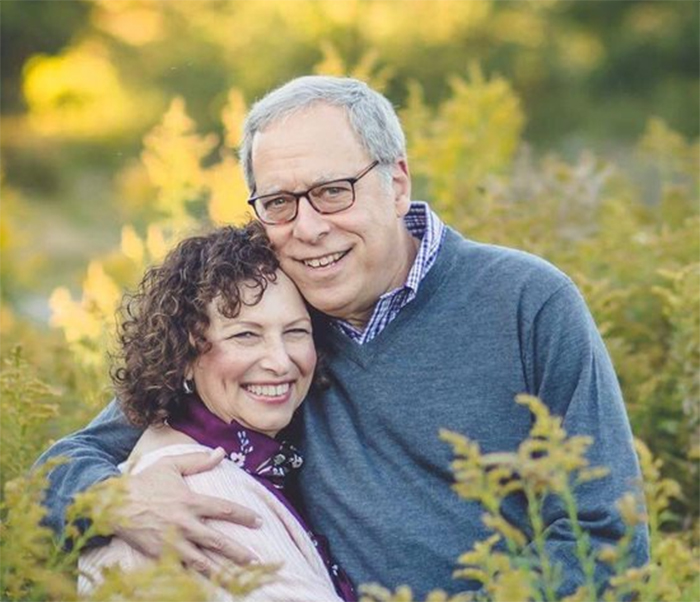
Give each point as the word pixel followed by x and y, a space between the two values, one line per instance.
pixel 305 358
pixel 279 236
pixel 222 364
pixel 368 226
pixel 313 356
pixel 306 361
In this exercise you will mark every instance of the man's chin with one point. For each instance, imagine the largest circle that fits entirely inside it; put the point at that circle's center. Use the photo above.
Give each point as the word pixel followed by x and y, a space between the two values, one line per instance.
pixel 321 299
pixel 323 305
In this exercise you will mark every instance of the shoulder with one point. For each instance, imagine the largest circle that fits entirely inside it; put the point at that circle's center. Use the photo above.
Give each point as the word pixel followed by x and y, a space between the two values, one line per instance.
pixel 157 437
pixel 501 275
pixel 503 262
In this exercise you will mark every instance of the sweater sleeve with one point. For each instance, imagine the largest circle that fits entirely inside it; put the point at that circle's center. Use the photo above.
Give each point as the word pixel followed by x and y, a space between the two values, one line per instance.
pixel 92 454
pixel 572 373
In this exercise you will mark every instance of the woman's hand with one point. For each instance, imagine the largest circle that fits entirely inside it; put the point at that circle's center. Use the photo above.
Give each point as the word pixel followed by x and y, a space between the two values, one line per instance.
pixel 159 502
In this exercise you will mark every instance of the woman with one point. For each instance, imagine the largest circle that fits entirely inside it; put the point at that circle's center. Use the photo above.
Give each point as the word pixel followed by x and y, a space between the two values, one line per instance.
pixel 216 350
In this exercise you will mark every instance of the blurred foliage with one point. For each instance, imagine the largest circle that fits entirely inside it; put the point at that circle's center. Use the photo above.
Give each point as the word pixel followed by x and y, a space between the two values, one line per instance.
pixel 37 567
pixel 549 463
pixel 591 58
pixel 19 392
pixel 84 80
pixel 120 139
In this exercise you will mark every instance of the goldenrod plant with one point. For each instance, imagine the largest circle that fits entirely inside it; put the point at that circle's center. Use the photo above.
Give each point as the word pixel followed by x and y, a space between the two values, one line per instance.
pixel 26 404
pixel 513 566
pixel 628 236
pixel 36 566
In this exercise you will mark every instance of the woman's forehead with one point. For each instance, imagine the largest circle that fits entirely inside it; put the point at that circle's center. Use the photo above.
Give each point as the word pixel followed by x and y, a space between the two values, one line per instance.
pixel 279 299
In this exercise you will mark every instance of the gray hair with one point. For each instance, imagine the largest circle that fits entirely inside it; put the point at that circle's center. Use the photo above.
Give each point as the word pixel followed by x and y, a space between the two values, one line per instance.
pixel 372 117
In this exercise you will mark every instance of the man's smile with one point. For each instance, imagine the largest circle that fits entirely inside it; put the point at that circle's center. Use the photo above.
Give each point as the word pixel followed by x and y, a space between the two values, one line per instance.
pixel 324 260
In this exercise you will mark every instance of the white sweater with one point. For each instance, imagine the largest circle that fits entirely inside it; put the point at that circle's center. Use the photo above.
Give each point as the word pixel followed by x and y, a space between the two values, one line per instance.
pixel 280 540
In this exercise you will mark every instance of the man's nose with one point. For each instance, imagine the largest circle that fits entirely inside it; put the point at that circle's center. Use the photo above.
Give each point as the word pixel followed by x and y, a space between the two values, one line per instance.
pixel 309 225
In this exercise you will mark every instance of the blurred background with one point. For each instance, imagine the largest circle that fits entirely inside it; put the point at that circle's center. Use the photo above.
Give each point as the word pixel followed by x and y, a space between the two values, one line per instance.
pixel 565 128
pixel 84 81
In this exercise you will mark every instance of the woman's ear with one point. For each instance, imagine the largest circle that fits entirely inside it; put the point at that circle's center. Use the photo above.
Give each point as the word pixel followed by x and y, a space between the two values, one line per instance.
pixel 189 369
pixel 188 384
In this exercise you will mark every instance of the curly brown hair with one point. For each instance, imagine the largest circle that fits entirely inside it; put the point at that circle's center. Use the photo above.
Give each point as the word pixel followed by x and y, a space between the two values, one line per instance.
pixel 164 321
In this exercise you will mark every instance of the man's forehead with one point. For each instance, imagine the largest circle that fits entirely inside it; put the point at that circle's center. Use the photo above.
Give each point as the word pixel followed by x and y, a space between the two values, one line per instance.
pixel 305 148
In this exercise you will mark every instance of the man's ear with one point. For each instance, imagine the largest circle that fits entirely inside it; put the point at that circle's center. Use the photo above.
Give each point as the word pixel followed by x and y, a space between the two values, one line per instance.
pixel 401 185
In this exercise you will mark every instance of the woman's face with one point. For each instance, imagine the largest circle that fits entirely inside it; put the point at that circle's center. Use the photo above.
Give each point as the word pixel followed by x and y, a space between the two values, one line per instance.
pixel 261 362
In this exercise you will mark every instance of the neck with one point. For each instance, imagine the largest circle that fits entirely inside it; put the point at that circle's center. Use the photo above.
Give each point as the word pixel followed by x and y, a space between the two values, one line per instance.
pixel 231 419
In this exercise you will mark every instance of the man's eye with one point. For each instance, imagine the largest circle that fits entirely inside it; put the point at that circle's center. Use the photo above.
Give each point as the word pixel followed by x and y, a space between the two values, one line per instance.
pixel 333 191
pixel 277 202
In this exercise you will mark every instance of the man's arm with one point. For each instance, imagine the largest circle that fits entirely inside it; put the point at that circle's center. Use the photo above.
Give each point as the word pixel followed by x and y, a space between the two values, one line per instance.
pixel 158 498
pixel 92 456
pixel 572 373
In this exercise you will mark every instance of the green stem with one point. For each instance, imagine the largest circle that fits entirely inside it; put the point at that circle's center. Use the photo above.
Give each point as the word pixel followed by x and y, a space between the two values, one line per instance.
pixel 583 548
pixel 535 515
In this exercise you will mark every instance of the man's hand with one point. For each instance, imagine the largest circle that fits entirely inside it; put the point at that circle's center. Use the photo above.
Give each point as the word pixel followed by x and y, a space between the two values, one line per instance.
pixel 160 502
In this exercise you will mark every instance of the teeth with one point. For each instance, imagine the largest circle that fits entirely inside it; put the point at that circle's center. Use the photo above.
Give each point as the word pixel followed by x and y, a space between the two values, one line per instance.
pixel 322 262
pixel 269 390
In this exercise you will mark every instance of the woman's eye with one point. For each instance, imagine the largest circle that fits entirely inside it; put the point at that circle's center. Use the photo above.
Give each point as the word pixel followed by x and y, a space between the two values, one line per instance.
pixel 299 331
pixel 243 336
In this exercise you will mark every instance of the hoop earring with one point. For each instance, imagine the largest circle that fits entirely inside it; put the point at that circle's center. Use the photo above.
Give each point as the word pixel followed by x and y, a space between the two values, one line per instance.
pixel 188 386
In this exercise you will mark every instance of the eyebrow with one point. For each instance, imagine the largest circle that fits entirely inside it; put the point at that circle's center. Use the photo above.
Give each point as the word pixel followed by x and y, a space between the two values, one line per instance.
pixel 323 179
pixel 251 324
pixel 299 321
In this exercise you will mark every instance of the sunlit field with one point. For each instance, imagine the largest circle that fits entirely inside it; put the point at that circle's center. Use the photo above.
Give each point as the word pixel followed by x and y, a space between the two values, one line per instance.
pixel 566 129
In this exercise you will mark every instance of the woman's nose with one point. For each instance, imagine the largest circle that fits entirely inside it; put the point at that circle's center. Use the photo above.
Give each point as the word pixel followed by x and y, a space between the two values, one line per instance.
pixel 276 357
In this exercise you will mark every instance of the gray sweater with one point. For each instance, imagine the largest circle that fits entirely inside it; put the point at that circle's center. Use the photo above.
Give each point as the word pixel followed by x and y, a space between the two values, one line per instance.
pixel 487 323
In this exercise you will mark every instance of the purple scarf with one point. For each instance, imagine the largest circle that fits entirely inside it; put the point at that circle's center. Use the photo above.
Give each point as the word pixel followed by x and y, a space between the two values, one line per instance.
pixel 267 460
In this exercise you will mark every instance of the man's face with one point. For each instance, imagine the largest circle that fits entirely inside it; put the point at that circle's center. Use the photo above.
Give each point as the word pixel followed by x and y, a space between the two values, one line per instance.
pixel 342 263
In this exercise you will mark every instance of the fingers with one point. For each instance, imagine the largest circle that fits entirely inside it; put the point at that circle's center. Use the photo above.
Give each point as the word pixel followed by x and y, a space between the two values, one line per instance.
pixel 198 544
pixel 198 560
pixel 160 502
pixel 216 548
pixel 188 464
pixel 206 506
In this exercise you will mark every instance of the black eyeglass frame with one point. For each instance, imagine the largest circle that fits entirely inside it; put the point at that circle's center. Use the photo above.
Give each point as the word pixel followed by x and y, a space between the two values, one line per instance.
pixel 306 194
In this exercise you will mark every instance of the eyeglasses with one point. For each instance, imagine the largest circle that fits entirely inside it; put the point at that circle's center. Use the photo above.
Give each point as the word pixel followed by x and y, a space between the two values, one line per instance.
pixel 326 198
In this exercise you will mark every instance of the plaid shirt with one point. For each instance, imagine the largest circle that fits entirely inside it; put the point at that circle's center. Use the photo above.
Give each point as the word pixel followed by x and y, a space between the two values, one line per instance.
pixel 425 225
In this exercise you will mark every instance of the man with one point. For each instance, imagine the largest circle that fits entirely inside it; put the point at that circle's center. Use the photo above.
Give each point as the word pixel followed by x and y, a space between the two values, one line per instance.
pixel 425 330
